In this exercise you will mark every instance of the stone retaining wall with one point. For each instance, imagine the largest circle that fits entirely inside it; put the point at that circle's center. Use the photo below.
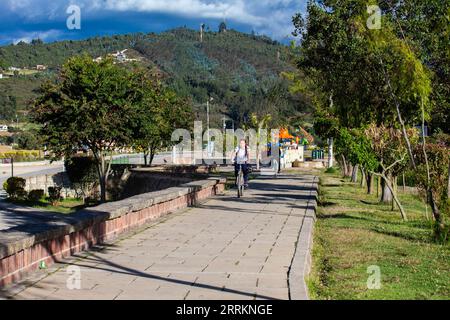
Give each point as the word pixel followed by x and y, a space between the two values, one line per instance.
pixel 22 249
pixel 44 181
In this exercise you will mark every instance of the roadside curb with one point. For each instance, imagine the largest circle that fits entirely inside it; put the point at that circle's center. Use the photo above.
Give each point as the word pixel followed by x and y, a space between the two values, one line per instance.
pixel 301 263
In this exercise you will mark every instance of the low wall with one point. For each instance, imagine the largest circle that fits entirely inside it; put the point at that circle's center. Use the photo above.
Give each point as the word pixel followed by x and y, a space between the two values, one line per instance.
pixel 44 181
pixel 22 249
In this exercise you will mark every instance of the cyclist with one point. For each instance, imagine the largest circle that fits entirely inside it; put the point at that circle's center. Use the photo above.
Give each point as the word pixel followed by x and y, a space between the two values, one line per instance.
pixel 241 157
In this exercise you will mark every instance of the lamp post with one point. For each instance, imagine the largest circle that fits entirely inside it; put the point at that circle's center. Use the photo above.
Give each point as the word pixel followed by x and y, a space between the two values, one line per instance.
pixel 210 99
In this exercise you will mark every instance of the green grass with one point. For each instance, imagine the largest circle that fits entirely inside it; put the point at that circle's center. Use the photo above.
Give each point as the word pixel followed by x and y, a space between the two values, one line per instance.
pixel 354 232
pixel 65 206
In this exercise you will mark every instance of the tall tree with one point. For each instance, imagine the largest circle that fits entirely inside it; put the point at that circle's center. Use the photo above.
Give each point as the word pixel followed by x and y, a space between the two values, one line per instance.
pixel 91 105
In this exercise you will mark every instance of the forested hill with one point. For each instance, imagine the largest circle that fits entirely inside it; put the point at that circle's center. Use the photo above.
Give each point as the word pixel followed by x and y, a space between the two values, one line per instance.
pixel 240 71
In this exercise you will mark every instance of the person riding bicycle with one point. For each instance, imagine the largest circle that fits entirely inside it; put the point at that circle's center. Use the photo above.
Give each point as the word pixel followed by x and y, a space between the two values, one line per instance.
pixel 241 157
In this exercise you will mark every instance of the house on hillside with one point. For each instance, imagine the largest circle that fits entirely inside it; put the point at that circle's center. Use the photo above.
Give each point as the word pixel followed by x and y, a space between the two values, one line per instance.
pixel 1 75
pixel 41 67
pixel 3 128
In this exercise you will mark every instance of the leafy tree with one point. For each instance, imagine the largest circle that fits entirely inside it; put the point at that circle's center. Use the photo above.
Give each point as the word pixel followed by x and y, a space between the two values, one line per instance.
pixel 3 65
pixel 161 112
pixel 29 140
pixel 392 154
pixel 92 105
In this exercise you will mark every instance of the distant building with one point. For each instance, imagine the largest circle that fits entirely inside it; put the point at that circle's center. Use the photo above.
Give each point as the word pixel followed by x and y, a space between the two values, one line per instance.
pixel 1 75
pixel 3 128
pixel 41 67
pixel 13 69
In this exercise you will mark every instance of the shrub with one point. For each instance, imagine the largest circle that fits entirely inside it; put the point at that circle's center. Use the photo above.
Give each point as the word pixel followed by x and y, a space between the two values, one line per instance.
pixel 82 173
pixel 54 195
pixel 22 155
pixel 331 170
pixel 15 188
pixel 35 195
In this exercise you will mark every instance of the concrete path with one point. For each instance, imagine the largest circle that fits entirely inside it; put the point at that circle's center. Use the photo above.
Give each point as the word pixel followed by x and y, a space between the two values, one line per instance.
pixel 227 248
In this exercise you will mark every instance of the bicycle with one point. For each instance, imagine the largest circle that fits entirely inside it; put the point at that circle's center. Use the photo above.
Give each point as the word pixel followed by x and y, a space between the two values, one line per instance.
pixel 240 182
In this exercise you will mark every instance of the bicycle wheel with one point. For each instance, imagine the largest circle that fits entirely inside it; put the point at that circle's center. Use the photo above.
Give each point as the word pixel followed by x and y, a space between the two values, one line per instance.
pixel 241 185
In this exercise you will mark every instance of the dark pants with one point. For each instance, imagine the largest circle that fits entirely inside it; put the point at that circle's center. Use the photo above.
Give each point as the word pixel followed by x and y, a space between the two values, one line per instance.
pixel 244 170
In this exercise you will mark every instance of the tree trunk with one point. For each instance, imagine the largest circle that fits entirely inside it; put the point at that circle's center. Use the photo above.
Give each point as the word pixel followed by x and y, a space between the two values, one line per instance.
pixel 103 188
pixel 355 173
pixel 349 170
pixel 386 194
pixel 394 189
pixel 436 212
pixel 344 163
pixel 389 184
pixel 363 177
pixel 403 182
pixel 369 182
pixel 330 154
pixel 152 156
pixel 102 175
pixel 145 158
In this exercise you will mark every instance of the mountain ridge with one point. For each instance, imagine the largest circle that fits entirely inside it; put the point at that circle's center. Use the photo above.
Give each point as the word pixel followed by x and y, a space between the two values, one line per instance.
pixel 240 71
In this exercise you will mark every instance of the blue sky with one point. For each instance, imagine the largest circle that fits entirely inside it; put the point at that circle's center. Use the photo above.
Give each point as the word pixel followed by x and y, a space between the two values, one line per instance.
pixel 23 20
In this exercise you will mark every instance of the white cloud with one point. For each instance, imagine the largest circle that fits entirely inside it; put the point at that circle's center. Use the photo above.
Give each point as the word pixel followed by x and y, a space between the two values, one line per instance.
pixel 265 16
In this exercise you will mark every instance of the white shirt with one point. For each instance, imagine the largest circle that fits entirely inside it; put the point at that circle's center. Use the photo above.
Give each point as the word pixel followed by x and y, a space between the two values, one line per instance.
pixel 241 157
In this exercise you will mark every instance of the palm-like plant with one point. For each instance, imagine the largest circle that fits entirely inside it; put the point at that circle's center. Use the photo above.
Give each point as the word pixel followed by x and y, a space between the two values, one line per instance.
pixel 259 123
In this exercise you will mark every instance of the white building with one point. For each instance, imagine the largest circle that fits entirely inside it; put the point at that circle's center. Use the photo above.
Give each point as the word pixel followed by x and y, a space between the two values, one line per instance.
pixel 3 128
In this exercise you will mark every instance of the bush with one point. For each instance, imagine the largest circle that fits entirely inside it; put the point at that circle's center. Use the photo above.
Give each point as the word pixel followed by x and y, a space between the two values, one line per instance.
pixel 54 195
pixel 22 155
pixel 331 170
pixel 15 188
pixel 82 173
pixel 35 195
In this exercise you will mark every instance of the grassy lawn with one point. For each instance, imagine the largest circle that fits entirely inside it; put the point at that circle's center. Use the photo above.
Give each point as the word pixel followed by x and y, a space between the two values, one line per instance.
pixel 66 206
pixel 353 232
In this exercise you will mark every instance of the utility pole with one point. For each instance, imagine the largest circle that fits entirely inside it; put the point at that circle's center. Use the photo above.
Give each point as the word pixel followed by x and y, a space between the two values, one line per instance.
pixel 224 139
pixel 210 99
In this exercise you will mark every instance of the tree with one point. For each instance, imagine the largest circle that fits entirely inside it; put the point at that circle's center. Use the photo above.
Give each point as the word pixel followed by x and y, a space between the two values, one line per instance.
pixel 91 105
pixel 161 113
pixel 392 155
pixel 432 174
pixel 424 25
pixel 29 140
pixel 3 65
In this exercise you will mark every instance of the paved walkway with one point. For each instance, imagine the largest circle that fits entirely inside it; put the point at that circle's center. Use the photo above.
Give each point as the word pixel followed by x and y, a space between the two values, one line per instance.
pixel 227 248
